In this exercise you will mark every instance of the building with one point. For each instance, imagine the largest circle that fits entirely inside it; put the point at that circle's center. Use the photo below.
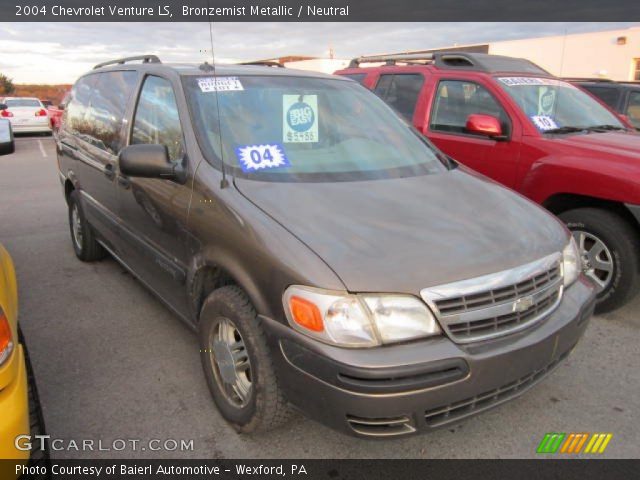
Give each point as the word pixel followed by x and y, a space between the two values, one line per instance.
pixel 612 54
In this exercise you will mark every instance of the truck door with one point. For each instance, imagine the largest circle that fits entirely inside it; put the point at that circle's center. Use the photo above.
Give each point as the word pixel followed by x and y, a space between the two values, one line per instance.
pixel 453 100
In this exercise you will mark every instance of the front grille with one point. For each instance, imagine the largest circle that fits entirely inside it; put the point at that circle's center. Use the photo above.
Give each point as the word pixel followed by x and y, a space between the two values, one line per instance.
pixel 452 306
pixel 500 303
pixel 469 330
pixel 455 411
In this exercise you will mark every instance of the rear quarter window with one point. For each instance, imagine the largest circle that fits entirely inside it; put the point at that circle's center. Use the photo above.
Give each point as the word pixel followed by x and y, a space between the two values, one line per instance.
pixel 358 77
pixel 401 91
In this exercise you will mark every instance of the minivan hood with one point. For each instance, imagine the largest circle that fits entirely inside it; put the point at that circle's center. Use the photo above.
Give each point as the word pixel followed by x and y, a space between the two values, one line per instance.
pixel 402 235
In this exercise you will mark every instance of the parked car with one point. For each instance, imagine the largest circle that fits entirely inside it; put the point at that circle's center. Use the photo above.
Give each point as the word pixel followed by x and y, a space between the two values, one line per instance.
pixel 622 97
pixel 509 119
pixel 314 243
pixel 14 403
pixel 7 143
pixel 55 114
pixel 26 114
pixel 19 401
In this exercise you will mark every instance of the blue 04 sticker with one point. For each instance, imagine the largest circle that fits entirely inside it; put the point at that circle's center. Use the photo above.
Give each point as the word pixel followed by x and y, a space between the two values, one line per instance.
pixel 252 158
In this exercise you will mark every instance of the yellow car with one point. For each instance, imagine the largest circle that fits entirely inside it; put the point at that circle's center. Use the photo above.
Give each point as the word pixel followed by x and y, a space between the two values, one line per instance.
pixel 14 399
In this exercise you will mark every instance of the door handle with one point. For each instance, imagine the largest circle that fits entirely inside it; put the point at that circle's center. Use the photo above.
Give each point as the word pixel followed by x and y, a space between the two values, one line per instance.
pixel 109 171
pixel 124 182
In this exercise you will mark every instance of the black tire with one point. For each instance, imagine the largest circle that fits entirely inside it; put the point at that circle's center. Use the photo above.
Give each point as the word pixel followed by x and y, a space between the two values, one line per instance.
pixel 266 407
pixel 623 241
pixel 7 148
pixel 86 248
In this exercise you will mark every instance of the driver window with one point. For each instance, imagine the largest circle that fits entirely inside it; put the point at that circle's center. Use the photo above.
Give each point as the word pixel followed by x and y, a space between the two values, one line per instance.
pixel 456 100
pixel 156 118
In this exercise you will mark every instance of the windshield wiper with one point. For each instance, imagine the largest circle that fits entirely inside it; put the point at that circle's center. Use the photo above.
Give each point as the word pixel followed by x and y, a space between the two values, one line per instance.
pixel 605 127
pixel 567 129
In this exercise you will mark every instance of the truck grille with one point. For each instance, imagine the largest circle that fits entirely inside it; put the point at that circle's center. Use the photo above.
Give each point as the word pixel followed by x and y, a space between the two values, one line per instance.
pixel 515 299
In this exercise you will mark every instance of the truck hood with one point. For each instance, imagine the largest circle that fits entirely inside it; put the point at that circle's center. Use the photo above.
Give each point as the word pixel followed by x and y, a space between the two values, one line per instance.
pixel 402 235
pixel 624 145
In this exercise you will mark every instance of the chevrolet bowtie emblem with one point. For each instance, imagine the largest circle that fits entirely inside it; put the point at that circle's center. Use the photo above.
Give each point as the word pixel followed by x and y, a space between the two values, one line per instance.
pixel 522 304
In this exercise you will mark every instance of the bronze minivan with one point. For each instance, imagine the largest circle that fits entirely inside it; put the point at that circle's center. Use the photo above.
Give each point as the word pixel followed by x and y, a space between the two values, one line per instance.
pixel 328 256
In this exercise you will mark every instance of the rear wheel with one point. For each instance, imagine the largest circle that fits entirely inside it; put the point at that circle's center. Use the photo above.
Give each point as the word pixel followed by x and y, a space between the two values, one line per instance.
pixel 83 239
pixel 610 252
pixel 237 363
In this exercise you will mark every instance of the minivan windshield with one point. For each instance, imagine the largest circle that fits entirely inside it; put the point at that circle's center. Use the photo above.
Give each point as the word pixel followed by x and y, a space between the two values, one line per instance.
pixel 286 128
pixel 554 106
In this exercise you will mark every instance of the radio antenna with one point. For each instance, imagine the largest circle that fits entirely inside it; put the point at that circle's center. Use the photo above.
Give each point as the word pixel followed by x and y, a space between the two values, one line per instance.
pixel 223 182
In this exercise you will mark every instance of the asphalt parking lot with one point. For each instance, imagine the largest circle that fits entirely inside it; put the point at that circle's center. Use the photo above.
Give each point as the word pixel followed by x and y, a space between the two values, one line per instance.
pixel 113 363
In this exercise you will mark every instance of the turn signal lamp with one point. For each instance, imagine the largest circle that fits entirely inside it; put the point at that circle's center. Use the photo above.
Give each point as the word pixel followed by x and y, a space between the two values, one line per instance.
pixel 6 341
pixel 306 314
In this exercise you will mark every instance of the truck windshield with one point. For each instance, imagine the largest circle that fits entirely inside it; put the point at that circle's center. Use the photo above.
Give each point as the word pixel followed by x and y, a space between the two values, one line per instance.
pixel 288 129
pixel 554 106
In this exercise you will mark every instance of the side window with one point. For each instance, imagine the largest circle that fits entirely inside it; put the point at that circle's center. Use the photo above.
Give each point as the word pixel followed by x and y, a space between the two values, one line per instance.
pixel 608 95
pixel 76 111
pixel 633 109
pixel 401 92
pixel 456 100
pixel 156 118
pixel 107 109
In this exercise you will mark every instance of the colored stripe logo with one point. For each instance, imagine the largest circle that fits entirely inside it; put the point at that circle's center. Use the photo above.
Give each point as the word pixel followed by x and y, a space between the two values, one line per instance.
pixel 595 443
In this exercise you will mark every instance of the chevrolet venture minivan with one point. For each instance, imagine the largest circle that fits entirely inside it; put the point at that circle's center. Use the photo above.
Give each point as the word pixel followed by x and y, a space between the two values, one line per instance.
pixel 328 256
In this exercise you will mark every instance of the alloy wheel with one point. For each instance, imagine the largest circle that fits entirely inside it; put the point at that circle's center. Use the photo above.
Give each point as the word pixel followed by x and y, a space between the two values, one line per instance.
pixel 597 261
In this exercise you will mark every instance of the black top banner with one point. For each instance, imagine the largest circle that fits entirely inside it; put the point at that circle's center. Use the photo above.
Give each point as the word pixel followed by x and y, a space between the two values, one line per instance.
pixel 318 10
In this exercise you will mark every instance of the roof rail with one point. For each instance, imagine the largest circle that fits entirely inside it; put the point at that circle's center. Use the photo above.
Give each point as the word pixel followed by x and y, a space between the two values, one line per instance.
pixel 392 59
pixel 122 61
pixel 587 79
pixel 264 63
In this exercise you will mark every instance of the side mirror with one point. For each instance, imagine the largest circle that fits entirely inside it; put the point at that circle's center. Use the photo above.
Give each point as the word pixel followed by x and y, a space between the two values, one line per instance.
pixel 148 161
pixel 3 106
pixel 484 125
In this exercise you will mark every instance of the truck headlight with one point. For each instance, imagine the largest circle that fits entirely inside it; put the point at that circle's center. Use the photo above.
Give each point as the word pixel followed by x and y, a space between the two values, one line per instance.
pixel 571 263
pixel 365 320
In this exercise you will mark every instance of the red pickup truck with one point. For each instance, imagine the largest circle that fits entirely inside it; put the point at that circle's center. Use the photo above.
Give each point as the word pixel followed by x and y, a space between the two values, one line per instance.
pixel 55 114
pixel 509 119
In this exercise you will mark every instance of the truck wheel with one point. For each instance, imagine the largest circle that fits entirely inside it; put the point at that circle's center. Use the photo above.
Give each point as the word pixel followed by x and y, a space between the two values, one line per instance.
pixel 237 363
pixel 82 237
pixel 610 251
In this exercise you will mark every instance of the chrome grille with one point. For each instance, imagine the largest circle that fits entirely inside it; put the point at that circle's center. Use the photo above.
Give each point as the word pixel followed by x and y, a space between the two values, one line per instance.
pixel 499 303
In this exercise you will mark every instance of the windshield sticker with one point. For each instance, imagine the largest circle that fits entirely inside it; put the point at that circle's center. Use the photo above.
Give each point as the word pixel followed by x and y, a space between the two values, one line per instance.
pixel 544 122
pixel 546 100
pixel 520 81
pixel 300 122
pixel 258 157
pixel 219 84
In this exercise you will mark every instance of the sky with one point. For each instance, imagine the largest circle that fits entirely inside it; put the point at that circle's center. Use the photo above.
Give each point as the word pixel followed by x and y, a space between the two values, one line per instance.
pixel 54 53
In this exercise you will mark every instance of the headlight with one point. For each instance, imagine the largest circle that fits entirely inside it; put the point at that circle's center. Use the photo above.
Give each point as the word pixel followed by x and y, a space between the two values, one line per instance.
pixel 357 320
pixel 571 263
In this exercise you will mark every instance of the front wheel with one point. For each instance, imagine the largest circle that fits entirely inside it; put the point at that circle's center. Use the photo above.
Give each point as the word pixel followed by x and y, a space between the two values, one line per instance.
pixel 610 252
pixel 237 363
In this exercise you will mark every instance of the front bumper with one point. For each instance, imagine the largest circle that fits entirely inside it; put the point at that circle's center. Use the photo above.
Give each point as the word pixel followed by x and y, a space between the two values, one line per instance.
pixel 14 405
pixel 418 386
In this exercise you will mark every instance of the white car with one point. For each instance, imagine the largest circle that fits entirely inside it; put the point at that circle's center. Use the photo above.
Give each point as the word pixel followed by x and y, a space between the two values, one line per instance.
pixel 26 114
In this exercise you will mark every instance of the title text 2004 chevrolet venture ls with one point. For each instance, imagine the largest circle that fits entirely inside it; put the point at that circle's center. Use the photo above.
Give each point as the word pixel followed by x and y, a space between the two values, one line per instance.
pixel 328 256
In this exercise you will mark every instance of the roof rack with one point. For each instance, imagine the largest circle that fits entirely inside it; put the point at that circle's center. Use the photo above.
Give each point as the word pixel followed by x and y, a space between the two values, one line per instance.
pixel 264 63
pixel 122 61
pixel 457 60
pixel 392 59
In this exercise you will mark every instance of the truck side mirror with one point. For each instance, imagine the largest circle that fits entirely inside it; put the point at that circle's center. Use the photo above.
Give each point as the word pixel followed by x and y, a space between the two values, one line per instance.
pixel 486 125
